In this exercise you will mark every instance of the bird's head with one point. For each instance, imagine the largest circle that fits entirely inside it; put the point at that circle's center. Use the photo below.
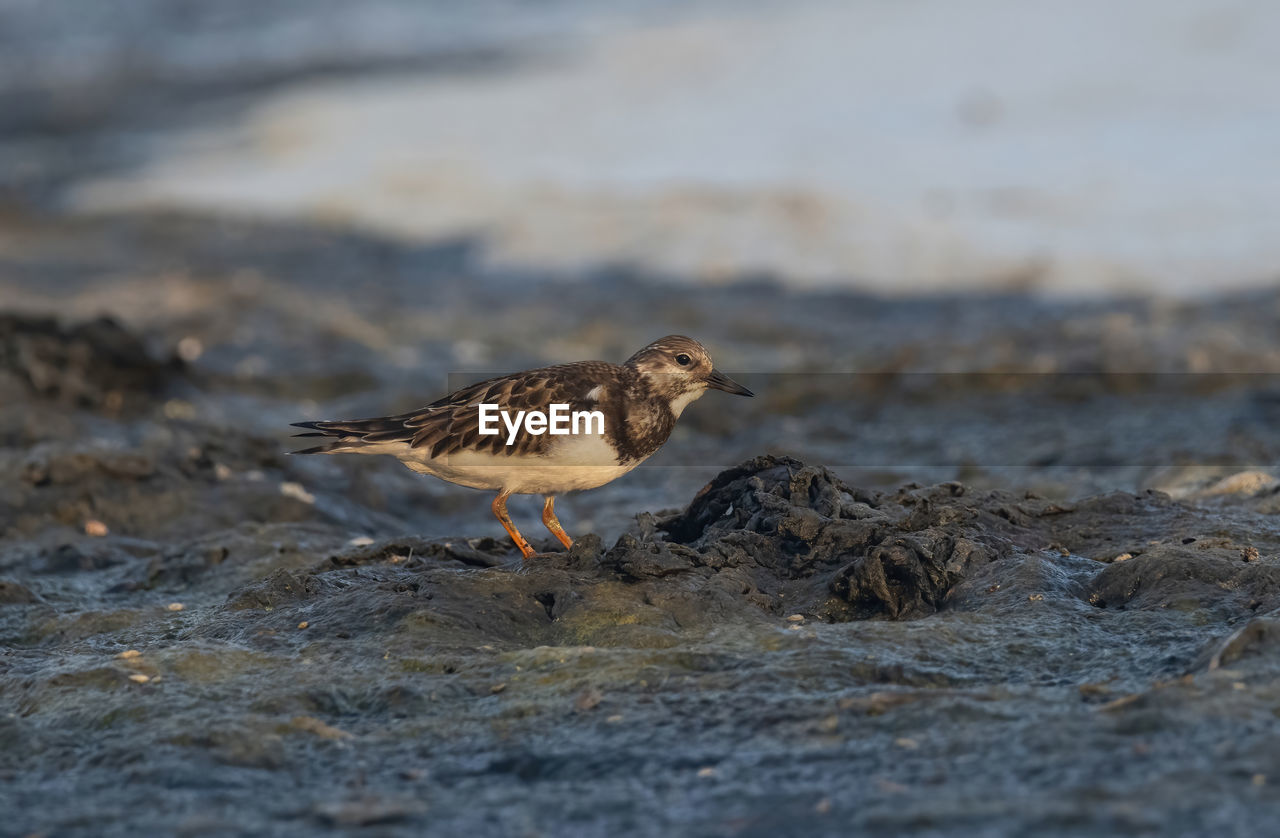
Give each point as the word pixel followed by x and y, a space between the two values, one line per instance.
pixel 679 369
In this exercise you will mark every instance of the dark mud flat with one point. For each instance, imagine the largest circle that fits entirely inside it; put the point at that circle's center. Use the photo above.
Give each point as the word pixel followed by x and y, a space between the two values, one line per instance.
pixel 1036 591
pixel 1009 565
pixel 786 655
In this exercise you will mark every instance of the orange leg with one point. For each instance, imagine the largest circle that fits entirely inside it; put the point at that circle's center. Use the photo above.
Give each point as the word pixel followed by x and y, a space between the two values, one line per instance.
pixel 500 512
pixel 553 523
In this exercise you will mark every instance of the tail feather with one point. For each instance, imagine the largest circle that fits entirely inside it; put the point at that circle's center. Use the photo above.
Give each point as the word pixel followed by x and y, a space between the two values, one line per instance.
pixel 345 433
pixel 319 449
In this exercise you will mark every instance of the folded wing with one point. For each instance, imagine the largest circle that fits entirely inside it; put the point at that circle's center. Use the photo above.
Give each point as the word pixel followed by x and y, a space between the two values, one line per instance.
pixel 452 423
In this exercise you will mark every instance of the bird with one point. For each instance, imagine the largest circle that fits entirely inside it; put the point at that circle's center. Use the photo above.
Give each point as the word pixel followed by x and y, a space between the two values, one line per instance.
pixel 628 412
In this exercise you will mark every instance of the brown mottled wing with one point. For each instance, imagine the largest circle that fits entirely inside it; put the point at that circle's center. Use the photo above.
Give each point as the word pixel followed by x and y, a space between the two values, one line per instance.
pixel 452 423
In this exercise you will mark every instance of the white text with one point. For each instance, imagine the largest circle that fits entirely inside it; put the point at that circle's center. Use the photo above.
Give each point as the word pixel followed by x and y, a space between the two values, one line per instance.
pixel 557 421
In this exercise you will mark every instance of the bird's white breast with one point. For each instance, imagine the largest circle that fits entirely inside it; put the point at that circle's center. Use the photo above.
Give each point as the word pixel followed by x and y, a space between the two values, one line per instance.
pixel 573 463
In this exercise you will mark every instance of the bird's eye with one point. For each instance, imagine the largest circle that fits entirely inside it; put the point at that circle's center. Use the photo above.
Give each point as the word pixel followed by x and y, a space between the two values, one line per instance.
pixel 683 360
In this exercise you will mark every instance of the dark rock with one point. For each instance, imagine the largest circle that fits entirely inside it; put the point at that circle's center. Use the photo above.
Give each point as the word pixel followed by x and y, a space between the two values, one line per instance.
pixel 279 588
pixel 11 593
pixel 761 495
pixel 1256 641
pixel 476 552
pixel 1174 576
pixel 63 468
pixel 182 566
pixel 74 558
pixel 781 520
pixel 910 576
pixel 635 559
pixel 586 552
pixel 94 364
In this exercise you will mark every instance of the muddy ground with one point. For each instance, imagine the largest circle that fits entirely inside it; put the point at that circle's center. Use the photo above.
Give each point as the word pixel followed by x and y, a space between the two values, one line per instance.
pixel 971 565
pixel 965 566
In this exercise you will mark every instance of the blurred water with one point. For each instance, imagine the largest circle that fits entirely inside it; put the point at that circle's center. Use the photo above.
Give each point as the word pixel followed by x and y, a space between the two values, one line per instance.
pixel 901 147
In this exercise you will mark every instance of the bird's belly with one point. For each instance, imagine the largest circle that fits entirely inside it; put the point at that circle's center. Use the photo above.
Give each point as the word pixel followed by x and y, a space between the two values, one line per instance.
pixel 575 463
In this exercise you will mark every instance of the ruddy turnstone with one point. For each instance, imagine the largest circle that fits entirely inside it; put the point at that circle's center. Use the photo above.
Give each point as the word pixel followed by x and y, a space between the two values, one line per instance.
pixel 575 426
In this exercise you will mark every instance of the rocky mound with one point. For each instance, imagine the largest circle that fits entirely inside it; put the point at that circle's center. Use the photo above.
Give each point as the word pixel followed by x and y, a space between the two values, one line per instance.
pixel 93 364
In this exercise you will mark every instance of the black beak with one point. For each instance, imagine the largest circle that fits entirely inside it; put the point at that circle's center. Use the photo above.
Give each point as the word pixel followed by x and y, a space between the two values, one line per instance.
pixel 720 381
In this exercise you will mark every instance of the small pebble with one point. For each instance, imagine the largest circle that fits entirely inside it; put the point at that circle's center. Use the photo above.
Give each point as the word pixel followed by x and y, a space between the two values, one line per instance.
pixel 588 699
pixel 613 720
pixel 1249 554
pixel 179 409
pixel 707 772
pixel 95 528
pixel 303 624
pixel 360 541
pixel 296 491
pixel 1036 598
pixel 906 742
pixel 497 688
pixel 175 606
pixel 310 724
pixel 823 806
pixel 221 471
pixel 139 678
pixel 129 654
pixel 1259 779
pixel 190 349
pixel 796 618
